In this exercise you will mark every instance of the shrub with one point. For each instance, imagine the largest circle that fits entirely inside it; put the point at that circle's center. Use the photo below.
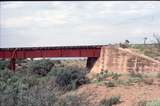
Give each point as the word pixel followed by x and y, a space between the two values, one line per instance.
pixel 41 67
pixel 142 103
pixel 11 86
pixel 137 75
pixel 153 103
pixel 158 75
pixel 5 74
pixel 110 83
pixel 31 81
pixel 101 78
pixel 105 74
pixel 23 88
pixel 111 101
pixel 37 96
pixel 148 81
pixel 3 64
pixel 56 71
pixel 149 103
pixel 16 90
pixel 70 79
pixel 133 80
pixel 71 100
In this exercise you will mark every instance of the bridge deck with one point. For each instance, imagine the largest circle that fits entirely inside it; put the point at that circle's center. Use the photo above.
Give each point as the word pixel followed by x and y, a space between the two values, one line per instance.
pixel 58 51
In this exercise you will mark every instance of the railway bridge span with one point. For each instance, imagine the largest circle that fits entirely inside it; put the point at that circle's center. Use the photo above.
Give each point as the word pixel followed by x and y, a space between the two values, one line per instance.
pixel 99 57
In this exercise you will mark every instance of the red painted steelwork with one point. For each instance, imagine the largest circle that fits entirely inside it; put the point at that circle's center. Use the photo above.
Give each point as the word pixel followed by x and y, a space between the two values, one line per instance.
pixel 37 52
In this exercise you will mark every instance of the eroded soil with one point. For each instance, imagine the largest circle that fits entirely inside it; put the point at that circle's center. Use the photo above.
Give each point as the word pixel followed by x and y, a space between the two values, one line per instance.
pixel 130 95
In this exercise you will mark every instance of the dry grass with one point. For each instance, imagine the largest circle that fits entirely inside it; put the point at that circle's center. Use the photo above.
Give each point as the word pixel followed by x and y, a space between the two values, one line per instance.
pixel 25 88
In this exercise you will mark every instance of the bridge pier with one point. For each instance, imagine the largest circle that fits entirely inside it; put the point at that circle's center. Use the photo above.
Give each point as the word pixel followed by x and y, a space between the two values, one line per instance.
pixel 90 62
pixel 12 64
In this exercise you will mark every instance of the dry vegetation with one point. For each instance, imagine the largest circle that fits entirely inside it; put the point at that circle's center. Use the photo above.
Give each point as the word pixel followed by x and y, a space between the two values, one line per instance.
pixel 40 82
pixel 63 83
pixel 151 50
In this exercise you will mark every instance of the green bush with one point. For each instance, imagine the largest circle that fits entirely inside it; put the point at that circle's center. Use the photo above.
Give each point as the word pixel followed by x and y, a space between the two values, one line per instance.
pixel 110 83
pixel 153 103
pixel 146 49
pixel 149 103
pixel 141 103
pixel 56 71
pixel 41 67
pixel 136 75
pixel 134 80
pixel 100 77
pixel 137 46
pixel 5 74
pixel 115 76
pixel 16 90
pixel 70 79
pixel 38 95
pixel 3 64
pixel 23 88
pixel 11 86
pixel 111 101
pixel 71 100
pixel 158 75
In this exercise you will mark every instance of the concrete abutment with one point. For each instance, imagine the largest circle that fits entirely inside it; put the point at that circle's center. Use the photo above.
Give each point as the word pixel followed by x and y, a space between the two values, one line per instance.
pixel 120 60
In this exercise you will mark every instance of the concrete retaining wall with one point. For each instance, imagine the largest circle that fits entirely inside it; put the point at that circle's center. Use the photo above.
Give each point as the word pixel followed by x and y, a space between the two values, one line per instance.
pixel 121 60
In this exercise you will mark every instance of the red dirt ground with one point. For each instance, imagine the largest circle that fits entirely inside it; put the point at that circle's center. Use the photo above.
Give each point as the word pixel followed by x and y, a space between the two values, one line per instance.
pixel 130 95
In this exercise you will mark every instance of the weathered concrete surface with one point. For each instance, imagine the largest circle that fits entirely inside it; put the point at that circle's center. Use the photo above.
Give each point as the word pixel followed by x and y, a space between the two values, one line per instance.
pixel 121 60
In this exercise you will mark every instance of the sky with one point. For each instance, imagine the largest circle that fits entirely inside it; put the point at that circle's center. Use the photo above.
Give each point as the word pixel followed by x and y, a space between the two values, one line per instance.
pixel 72 23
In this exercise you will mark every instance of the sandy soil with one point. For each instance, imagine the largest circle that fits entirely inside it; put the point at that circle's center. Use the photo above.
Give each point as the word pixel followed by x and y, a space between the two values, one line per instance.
pixel 130 95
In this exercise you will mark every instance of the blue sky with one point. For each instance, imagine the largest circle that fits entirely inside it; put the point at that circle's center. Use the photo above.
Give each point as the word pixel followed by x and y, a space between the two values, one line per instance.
pixel 61 23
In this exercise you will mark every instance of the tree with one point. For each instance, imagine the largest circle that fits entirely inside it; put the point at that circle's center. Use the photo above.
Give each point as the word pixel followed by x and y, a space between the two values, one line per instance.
pixel 145 39
pixel 157 38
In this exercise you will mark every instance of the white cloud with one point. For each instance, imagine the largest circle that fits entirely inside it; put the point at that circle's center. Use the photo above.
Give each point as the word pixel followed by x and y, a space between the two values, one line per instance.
pixel 63 12
pixel 43 18
pixel 16 22
pixel 12 5
pixel 78 22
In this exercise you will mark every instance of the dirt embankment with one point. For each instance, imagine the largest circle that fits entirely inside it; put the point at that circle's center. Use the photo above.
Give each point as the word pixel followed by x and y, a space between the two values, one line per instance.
pixel 93 94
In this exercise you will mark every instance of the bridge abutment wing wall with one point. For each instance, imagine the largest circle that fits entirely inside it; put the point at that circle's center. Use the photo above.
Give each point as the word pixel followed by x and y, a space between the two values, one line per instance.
pixel 122 60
